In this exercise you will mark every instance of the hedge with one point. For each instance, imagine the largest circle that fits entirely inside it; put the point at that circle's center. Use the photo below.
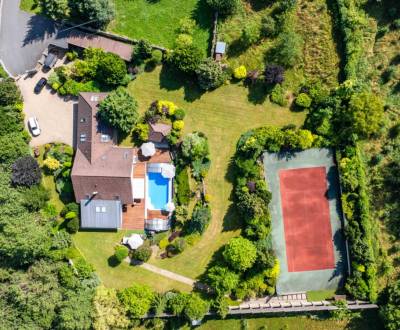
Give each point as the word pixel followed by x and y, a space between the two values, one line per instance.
pixel 182 186
pixel 355 202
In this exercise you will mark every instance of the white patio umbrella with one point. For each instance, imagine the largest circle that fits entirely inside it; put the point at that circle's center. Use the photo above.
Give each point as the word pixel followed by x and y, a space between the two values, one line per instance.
pixel 168 171
pixel 170 207
pixel 134 241
pixel 148 149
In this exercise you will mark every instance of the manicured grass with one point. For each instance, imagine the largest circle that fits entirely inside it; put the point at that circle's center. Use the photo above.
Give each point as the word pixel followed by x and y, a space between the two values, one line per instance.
pixel 369 321
pixel 157 21
pixel 320 295
pixel 98 247
pixel 223 115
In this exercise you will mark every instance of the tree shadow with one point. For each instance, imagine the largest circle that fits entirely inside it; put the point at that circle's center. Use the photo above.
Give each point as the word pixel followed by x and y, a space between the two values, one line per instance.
pixel 257 5
pixel 39 28
pixel 171 79
pixel 231 220
pixel 203 16
pixel 236 48
pixel 258 92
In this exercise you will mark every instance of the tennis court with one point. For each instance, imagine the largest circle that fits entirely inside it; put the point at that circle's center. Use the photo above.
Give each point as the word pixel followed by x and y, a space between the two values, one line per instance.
pixel 306 220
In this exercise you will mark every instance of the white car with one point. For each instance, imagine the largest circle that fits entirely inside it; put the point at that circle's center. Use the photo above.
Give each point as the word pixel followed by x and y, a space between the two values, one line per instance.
pixel 34 126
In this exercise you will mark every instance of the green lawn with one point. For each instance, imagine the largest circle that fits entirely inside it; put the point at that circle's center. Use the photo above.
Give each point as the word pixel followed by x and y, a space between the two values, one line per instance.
pixel 157 21
pixel 223 115
pixel 98 247
pixel 320 295
pixel 369 321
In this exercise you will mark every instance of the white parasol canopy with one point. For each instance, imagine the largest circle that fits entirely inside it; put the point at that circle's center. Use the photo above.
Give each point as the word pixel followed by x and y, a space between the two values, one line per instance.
pixel 134 241
pixel 148 149
pixel 170 207
pixel 168 171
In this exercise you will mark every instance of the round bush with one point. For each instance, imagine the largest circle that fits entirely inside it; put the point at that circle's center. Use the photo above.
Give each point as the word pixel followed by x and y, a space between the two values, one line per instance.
pixel 73 225
pixel 51 164
pixel 70 207
pixel 179 114
pixel 178 125
pixel 120 252
pixel 240 72
pixel 303 100
pixel 268 26
pixel 224 7
pixel 143 253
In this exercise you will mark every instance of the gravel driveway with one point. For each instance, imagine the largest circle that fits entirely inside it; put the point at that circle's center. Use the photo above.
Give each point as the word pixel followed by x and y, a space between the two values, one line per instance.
pixel 55 116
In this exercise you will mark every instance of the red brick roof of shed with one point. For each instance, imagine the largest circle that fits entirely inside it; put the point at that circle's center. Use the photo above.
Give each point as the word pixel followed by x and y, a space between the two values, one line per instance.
pixel 86 40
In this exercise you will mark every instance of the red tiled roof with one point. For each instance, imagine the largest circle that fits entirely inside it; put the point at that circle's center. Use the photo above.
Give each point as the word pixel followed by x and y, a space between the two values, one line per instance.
pixel 86 40
pixel 99 165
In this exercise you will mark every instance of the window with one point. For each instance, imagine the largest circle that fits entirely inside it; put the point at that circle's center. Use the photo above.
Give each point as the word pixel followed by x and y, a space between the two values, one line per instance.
pixel 94 98
pixel 105 138
pixel 101 209
pixel 83 120
pixel 83 137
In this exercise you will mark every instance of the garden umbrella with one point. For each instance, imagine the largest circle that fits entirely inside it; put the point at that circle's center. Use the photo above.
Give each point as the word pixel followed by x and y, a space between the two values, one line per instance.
pixel 170 207
pixel 148 149
pixel 168 171
pixel 134 241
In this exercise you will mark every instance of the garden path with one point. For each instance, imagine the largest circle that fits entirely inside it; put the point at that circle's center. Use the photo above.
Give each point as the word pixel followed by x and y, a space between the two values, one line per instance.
pixel 165 273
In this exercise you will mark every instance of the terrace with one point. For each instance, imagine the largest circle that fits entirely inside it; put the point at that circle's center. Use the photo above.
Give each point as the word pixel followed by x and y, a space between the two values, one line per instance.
pixel 136 214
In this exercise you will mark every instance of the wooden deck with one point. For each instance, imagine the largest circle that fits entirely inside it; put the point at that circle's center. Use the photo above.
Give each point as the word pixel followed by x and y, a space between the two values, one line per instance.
pixel 152 214
pixel 133 218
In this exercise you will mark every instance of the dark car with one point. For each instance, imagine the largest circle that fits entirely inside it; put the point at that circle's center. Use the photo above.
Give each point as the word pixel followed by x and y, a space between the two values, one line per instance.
pixel 40 84
pixel 50 60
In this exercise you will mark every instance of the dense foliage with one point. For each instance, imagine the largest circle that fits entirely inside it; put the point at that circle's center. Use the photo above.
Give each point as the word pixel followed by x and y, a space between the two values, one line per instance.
pixel 210 74
pixel 97 12
pixel 119 110
pixel 224 7
pixel 390 312
pixel 186 58
pixel 26 172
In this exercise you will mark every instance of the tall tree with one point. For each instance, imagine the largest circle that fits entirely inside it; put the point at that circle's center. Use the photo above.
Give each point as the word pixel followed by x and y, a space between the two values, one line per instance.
pixel 119 109
pixel 98 12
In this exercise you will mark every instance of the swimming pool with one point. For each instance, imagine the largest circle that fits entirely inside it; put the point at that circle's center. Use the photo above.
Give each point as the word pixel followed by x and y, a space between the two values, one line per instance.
pixel 157 190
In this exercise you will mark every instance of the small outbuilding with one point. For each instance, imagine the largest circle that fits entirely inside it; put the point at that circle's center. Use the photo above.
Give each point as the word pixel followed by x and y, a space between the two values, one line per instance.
pixel 159 132
pixel 220 49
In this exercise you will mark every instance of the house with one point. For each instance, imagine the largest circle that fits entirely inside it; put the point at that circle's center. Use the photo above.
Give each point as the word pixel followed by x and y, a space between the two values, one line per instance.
pixel 114 186
pixel 158 133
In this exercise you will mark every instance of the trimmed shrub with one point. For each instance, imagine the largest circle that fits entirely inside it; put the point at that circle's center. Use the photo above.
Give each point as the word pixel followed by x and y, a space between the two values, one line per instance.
pixel 303 100
pixel 186 58
pixel 210 74
pixel 240 253
pixel 70 215
pixel 73 225
pixel 179 114
pixel 143 253
pixel 70 207
pixel 51 164
pixel 240 72
pixel 120 252
pixel 142 50
pixel 278 96
pixel 178 125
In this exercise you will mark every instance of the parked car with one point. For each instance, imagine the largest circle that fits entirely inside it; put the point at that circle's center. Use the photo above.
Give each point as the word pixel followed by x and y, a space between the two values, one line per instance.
pixel 50 60
pixel 40 84
pixel 34 126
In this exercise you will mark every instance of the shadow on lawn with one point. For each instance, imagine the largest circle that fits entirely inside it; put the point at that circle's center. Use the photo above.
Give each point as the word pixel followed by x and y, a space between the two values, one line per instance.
pixel 171 79
pixel 231 219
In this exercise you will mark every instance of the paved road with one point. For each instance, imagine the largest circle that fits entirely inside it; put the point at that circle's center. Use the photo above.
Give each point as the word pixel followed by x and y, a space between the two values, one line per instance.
pixel 23 37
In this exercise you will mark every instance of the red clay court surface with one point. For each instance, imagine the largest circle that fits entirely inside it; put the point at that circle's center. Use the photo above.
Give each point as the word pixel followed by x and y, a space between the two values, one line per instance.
pixel 306 219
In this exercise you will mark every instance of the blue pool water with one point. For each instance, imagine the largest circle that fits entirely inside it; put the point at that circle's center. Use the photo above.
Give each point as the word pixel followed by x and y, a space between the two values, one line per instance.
pixel 157 190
